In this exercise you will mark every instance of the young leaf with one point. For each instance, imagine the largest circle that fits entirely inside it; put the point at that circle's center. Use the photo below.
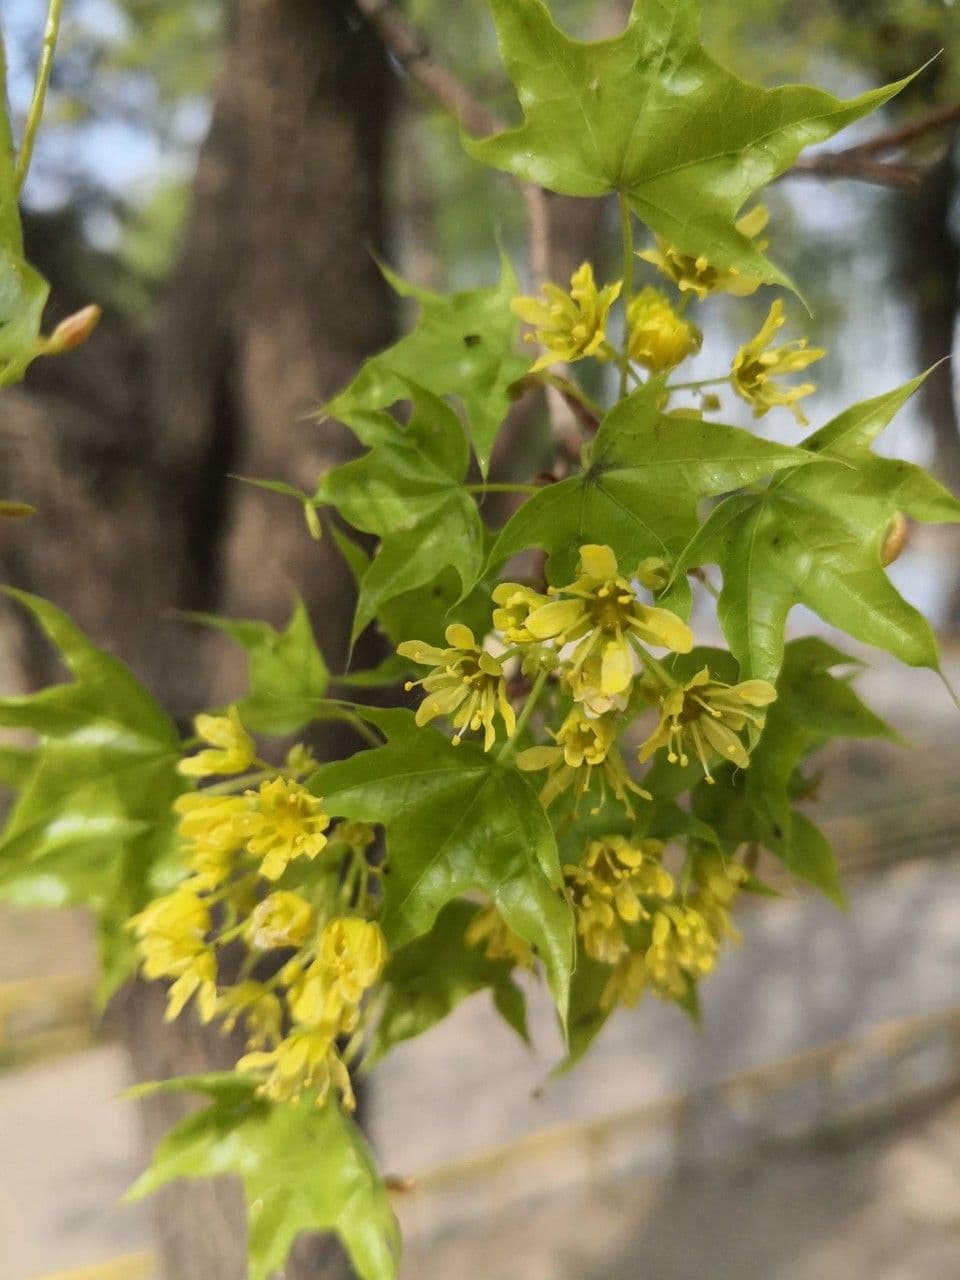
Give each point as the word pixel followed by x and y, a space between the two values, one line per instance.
pixel 457 820
pixel 408 490
pixel 648 473
pixel 815 537
pixel 286 672
pixel 93 816
pixel 461 345
pixel 23 292
pixel 428 978
pixel 651 115
pixel 303 1168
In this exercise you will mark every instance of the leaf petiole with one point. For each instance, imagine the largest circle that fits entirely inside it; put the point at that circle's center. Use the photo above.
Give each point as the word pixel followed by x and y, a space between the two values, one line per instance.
pixel 34 115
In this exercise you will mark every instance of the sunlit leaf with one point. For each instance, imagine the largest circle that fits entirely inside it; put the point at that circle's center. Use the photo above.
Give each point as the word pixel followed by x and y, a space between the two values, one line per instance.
pixel 461 346
pixel 457 820
pixel 303 1168
pixel 651 115
pixel 93 817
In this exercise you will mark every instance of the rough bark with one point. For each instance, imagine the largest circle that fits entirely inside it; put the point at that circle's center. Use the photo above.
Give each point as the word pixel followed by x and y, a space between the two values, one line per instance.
pixel 274 303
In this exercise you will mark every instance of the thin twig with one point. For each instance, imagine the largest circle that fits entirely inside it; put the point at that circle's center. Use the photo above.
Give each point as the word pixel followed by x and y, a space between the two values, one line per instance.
pixel 413 56
pixel 858 161
pixel 35 114
pixel 838 164
pixel 931 122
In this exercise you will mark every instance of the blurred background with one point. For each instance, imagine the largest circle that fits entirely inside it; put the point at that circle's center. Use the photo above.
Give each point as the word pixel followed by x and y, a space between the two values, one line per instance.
pixel 218 176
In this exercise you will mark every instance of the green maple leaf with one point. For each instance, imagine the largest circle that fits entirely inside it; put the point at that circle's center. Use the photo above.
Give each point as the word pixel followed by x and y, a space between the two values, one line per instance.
pixel 303 1168
pixel 815 537
pixel 286 672
pixel 23 292
pixel 461 346
pixel 426 980
pixel 408 491
pixel 456 820
pixel 814 706
pixel 648 472
pixel 92 823
pixel 650 115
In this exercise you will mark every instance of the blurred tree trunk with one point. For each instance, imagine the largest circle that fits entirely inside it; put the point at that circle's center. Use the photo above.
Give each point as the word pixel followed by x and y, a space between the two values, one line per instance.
pixel 274 303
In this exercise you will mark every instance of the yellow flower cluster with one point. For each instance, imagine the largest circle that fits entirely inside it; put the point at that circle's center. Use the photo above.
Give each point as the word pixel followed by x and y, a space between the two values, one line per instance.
pixel 593 636
pixel 238 844
pixel 569 326
pixel 608 890
pixel 680 938
pixel 325 985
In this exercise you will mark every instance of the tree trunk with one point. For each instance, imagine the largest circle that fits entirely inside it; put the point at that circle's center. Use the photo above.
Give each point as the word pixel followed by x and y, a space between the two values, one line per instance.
pixel 275 302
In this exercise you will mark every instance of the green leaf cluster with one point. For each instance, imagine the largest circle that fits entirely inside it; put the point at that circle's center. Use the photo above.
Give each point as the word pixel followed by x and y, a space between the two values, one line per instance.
pixel 303 1168
pixel 408 491
pixel 92 823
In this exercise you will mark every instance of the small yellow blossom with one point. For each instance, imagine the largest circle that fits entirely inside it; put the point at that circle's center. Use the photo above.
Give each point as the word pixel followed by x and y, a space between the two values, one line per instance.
pixel 608 889
pixel 682 949
pixel 705 716
pixel 304 1060
pixel 699 275
pixel 515 604
pixel 488 928
pixel 466 683
pixel 757 364
pixel 215 828
pixel 600 612
pixel 627 984
pixel 350 959
pixel 718 882
pixel 285 822
pixel 583 745
pixel 282 919
pixel 260 1009
pixel 569 325
pixel 657 338
pixel 231 747
pixel 171 937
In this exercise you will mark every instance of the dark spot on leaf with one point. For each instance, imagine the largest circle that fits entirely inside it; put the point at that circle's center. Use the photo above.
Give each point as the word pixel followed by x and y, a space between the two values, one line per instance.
pixel 472 339
pixel 777 830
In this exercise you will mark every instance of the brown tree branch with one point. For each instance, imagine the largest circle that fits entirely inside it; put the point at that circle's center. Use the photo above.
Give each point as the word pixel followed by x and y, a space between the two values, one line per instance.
pixel 858 161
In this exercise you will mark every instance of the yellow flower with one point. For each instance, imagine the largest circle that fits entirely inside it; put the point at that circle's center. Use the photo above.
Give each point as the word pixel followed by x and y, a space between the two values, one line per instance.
pixel 584 744
pixel 600 614
pixel 350 959
pixel 171 937
pixel 718 882
pixel 699 275
pixel 466 684
pixel 658 339
pixel 569 325
pixel 259 1008
pixel 286 822
pixel 488 926
pixel 304 1060
pixel 705 716
pixel 627 984
pixel 608 888
pixel 233 750
pixel 282 919
pixel 757 364
pixel 516 602
pixel 682 949
pixel 215 828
